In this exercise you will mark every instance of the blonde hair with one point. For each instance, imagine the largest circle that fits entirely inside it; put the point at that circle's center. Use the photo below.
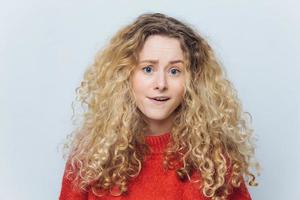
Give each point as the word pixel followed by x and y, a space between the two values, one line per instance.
pixel 211 133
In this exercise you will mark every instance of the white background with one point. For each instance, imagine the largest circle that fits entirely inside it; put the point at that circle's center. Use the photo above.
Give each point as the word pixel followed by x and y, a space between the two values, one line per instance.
pixel 45 46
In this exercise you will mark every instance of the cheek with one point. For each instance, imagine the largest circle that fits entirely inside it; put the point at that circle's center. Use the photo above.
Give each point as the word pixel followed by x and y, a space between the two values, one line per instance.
pixel 180 87
pixel 138 84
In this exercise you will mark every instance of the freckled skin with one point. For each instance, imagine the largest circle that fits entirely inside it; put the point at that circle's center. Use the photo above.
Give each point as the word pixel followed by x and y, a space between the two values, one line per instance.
pixel 159 79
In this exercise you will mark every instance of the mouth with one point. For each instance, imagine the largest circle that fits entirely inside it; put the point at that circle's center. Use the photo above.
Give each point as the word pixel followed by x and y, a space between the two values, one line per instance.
pixel 159 101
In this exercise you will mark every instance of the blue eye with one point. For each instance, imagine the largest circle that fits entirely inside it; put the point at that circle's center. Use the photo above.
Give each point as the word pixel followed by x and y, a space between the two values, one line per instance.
pixel 147 68
pixel 175 70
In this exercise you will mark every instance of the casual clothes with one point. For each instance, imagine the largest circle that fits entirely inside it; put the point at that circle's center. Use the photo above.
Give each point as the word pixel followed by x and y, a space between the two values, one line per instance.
pixel 153 182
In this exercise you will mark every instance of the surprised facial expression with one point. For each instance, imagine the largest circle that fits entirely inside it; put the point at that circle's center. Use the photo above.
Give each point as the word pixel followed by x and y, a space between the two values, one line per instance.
pixel 158 80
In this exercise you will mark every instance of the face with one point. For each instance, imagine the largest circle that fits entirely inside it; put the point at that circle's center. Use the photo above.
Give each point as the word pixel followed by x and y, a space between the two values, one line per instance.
pixel 160 73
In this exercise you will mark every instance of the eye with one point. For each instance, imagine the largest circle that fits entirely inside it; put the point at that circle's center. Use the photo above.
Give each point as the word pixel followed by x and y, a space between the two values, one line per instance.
pixel 147 68
pixel 174 70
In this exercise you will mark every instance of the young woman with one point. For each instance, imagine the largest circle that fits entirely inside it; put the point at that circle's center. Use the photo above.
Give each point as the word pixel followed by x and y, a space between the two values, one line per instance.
pixel 161 121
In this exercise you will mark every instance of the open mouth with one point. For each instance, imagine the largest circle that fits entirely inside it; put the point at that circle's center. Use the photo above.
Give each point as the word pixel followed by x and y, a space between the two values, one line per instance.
pixel 159 101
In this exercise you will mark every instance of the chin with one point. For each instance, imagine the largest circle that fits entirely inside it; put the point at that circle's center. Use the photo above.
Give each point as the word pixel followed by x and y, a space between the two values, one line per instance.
pixel 157 116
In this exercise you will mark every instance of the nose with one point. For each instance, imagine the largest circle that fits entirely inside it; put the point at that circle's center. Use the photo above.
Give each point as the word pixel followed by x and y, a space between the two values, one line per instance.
pixel 161 81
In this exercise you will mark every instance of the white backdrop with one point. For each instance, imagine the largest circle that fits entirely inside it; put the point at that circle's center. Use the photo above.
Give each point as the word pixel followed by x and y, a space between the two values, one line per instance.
pixel 45 46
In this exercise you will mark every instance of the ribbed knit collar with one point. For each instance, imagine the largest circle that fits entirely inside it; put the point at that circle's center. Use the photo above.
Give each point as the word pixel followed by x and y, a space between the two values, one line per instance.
pixel 157 143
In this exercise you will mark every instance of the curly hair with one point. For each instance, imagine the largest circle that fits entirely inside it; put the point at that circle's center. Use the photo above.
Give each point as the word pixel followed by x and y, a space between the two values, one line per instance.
pixel 211 133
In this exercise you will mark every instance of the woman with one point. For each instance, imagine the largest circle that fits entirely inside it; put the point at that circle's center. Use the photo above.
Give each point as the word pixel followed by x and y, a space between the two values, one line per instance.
pixel 161 122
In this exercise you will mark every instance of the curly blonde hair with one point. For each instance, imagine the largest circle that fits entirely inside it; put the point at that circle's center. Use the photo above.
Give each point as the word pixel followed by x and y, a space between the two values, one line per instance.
pixel 211 134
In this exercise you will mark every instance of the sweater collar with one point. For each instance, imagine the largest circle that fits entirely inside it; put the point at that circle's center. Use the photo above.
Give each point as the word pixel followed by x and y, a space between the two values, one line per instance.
pixel 158 143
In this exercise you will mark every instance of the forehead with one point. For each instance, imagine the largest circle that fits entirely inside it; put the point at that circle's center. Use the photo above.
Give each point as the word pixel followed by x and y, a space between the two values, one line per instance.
pixel 161 47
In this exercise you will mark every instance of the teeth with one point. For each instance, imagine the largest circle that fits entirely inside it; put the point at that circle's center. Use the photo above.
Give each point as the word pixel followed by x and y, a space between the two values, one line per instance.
pixel 160 99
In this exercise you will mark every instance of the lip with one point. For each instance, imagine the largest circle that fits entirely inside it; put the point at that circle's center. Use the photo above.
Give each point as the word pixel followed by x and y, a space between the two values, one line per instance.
pixel 158 102
pixel 159 97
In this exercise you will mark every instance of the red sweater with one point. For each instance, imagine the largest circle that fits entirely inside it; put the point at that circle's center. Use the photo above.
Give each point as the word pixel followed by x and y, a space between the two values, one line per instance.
pixel 153 183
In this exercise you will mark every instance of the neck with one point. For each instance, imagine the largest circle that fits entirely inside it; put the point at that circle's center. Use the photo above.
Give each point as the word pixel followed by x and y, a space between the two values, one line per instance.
pixel 158 127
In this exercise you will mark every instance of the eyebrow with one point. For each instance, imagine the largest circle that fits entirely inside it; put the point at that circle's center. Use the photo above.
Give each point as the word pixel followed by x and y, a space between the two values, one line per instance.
pixel 156 61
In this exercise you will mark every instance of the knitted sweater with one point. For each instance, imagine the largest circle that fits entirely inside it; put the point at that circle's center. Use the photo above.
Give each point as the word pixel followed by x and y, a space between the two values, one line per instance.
pixel 153 182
